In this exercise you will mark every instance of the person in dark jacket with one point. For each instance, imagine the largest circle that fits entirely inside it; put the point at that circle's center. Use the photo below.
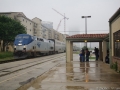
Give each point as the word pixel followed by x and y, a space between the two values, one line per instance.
pixel 83 55
pixel 80 56
pixel 96 53
pixel 87 55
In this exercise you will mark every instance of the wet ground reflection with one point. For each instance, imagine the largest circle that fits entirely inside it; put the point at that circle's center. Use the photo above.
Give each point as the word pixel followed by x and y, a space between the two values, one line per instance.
pixel 75 88
pixel 75 76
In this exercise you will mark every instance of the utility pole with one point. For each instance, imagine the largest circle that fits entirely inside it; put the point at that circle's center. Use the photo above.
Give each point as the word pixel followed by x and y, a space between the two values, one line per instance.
pixel 86 25
pixel 64 19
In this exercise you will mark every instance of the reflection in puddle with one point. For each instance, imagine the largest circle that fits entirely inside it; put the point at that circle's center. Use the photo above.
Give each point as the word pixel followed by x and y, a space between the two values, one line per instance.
pixel 25 82
pixel 34 84
pixel 75 73
pixel 75 88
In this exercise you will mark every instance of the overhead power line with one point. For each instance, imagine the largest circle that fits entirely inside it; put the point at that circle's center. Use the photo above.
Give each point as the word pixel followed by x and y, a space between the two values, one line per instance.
pixel 84 31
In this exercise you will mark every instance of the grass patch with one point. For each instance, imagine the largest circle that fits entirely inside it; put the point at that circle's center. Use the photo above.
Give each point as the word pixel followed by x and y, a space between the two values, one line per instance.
pixel 91 57
pixel 76 52
pixel 115 66
pixel 6 56
pixel 9 58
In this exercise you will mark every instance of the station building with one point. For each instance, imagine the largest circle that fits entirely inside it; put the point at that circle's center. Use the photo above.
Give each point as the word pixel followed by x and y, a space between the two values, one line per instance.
pixel 114 38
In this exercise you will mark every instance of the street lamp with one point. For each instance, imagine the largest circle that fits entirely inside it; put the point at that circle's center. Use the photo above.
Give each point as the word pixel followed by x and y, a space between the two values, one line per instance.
pixel 86 25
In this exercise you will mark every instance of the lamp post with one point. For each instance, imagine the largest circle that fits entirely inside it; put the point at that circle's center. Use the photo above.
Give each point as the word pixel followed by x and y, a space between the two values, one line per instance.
pixel 86 26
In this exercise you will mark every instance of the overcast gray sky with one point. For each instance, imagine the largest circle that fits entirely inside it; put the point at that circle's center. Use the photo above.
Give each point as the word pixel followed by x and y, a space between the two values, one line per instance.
pixel 99 10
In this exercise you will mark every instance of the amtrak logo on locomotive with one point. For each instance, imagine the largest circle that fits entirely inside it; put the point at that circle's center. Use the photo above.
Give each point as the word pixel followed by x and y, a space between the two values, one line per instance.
pixel 38 44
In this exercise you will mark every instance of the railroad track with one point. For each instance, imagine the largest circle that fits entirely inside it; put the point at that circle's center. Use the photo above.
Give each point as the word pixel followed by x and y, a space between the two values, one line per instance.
pixel 14 60
pixel 20 66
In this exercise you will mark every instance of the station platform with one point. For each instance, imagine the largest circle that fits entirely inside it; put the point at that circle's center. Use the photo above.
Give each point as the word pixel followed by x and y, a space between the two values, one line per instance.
pixel 76 75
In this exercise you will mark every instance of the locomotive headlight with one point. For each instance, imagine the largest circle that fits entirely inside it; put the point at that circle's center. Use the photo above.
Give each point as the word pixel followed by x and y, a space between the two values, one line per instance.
pixel 14 46
pixel 24 48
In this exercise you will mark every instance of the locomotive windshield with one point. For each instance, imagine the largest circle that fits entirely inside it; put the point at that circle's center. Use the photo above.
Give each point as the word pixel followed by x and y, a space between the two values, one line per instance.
pixel 23 39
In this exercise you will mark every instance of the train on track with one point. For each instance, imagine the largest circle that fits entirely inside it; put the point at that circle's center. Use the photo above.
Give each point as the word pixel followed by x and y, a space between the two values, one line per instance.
pixel 26 45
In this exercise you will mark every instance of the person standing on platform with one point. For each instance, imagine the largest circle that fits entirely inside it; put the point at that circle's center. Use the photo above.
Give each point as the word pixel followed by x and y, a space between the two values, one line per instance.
pixel 96 53
pixel 80 56
pixel 83 55
pixel 87 55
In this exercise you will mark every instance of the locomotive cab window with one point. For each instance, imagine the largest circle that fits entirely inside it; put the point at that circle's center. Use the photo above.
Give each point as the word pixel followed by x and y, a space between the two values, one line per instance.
pixel 25 37
pixel 41 39
pixel 51 47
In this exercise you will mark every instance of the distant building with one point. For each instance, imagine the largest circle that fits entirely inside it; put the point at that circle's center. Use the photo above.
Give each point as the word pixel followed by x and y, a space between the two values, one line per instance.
pixel 50 33
pixel 31 26
pixel 47 24
pixel 47 33
pixel 38 31
pixel 35 27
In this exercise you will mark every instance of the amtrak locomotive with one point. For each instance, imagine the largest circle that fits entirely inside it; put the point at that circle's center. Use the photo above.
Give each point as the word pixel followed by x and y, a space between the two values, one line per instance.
pixel 26 45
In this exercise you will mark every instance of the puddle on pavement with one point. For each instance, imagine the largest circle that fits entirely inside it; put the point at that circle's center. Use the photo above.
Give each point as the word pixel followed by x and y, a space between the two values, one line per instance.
pixel 27 81
pixel 34 84
pixel 61 74
pixel 75 88
pixel 54 75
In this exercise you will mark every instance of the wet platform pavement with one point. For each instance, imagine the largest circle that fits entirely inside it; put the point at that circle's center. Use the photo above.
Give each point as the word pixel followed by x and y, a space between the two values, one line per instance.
pixel 92 75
